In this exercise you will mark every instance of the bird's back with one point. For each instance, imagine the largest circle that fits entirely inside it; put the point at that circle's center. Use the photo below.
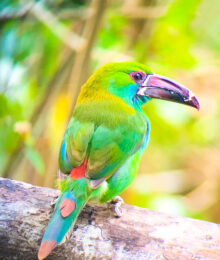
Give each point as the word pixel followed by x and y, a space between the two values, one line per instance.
pixel 105 134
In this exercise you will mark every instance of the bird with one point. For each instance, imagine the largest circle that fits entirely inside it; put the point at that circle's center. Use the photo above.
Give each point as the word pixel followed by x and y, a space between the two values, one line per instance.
pixel 105 139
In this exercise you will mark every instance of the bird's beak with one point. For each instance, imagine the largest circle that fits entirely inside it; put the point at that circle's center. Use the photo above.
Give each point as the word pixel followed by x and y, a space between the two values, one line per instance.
pixel 156 86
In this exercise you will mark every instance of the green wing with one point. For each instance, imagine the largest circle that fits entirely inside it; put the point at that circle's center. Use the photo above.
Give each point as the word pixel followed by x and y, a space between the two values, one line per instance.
pixel 75 143
pixel 109 149
pixel 106 148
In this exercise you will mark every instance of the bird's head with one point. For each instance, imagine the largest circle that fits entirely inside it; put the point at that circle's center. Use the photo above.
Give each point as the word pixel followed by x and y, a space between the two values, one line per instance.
pixel 136 84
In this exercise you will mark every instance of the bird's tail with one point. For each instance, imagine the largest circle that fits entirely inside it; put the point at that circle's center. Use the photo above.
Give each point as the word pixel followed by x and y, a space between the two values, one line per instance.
pixel 67 208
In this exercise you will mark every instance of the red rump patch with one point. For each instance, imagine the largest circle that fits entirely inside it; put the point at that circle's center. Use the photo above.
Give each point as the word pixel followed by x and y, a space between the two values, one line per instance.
pixel 79 172
pixel 66 207
pixel 45 248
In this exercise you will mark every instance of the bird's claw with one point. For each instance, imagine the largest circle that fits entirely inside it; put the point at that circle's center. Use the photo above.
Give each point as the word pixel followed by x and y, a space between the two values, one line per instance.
pixel 117 201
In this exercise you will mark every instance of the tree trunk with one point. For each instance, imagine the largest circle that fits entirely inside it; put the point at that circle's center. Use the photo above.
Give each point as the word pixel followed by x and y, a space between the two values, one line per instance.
pixel 138 234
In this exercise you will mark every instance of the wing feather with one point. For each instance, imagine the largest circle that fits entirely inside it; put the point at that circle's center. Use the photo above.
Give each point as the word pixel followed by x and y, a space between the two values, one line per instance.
pixel 75 145
pixel 103 147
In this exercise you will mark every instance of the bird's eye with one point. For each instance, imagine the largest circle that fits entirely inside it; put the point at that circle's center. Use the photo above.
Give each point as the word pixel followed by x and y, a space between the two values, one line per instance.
pixel 137 76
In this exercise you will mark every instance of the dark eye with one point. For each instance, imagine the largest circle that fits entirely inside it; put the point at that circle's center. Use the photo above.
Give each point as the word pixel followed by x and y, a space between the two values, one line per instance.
pixel 137 76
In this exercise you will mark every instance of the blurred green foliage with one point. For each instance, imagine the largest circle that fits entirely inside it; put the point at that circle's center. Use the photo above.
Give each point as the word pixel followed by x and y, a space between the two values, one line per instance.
pixel 180 167
pixel 172 34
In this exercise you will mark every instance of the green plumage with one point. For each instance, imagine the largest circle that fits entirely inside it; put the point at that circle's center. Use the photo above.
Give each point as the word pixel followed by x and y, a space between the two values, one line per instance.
pixel 103 143
pixel 107 131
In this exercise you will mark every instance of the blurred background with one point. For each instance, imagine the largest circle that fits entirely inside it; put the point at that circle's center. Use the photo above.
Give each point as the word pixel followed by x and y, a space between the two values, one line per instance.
pixel 49 48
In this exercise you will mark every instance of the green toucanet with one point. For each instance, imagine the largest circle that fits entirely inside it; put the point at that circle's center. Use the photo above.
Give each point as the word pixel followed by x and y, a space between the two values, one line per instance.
pixel 105 139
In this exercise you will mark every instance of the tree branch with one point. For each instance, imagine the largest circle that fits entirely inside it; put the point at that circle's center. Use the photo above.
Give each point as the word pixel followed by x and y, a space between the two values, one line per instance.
pixel 138 234
pixel 71 39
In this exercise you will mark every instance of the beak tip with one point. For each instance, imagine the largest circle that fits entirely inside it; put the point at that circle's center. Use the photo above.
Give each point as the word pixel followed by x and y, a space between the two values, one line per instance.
pixel 195 103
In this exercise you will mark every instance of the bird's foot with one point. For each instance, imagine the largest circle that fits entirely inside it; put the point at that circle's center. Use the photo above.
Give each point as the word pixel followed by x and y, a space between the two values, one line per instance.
pixel 117 201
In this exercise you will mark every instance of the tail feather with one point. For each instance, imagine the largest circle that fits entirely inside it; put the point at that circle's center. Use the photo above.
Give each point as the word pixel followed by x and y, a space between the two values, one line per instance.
pixel 45 248
pixel 60 225
pixel 67 206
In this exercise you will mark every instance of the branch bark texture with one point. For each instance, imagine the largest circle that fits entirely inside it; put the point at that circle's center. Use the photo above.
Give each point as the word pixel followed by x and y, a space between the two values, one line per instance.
pixel 138 234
